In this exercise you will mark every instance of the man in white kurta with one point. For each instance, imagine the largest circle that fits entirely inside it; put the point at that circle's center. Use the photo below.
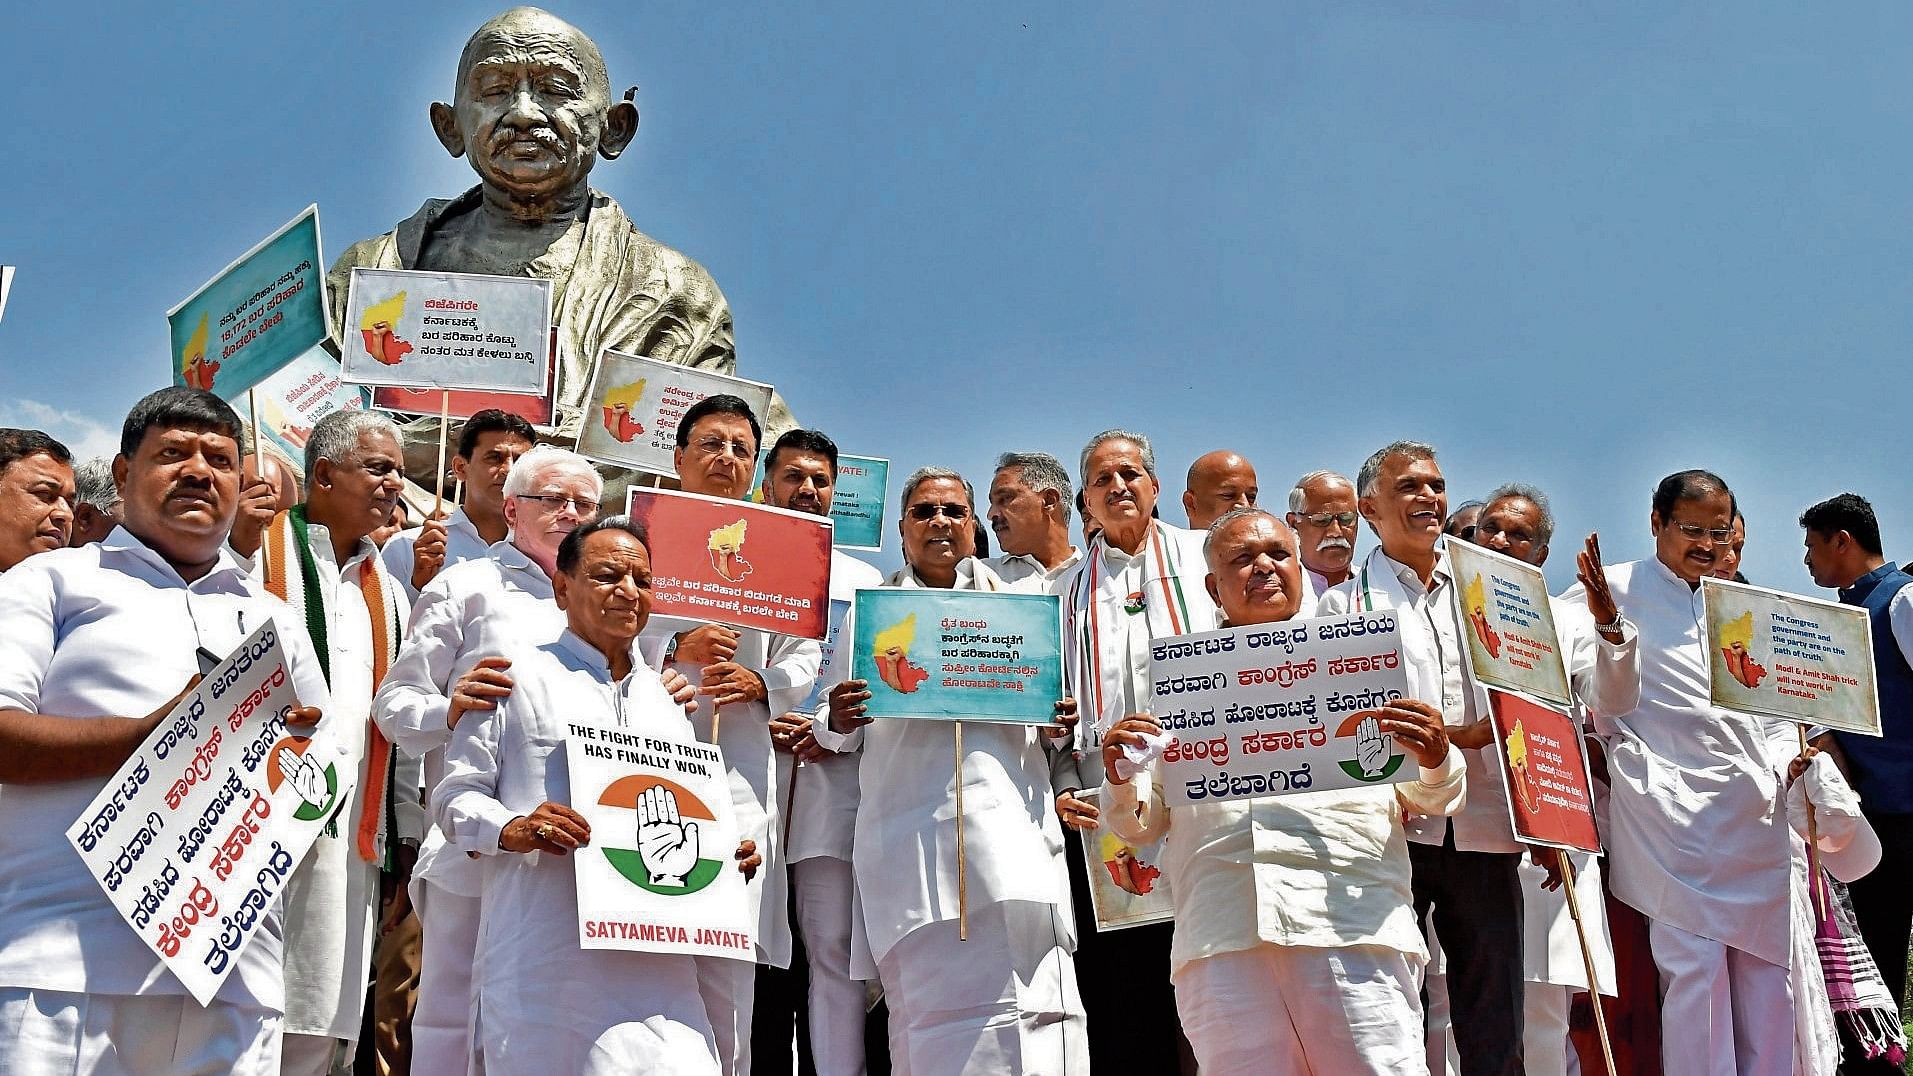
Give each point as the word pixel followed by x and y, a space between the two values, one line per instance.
pixel 1322 514
pixel 1029 514
pixel 820 786
pixel 1139 579
pixel 543 1004
pixel 120 627
pixel 1296 948
pixel 1696 838
pixel 1467 866
pixel 485 608
pixel 1599 650
pixel 1005 1000
pixel 746 675
pixel 322 555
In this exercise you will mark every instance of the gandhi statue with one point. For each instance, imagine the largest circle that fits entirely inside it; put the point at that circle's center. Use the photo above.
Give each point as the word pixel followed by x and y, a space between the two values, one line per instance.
pixel 532 111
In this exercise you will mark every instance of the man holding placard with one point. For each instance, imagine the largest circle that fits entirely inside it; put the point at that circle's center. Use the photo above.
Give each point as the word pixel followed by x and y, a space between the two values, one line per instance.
pixel 747 674
pixel 820 786
pixel 488 444
pixel 545 1004
pixel 1598 651
pixel 1466 867
pixel 930 875
pixel 319 558
pixel 1696 841
pixel 1296 947
pixel 1844 552
pixel 124 626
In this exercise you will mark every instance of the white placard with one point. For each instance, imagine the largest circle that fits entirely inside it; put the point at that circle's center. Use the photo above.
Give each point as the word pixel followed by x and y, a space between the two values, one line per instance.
pixel 193 839
pixel 447 330
pixel 634 404
pixel 1271 709
pixel 660 874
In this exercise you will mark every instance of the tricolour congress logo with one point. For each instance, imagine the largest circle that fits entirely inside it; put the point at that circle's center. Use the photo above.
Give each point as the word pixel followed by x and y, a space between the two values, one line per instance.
pixel 318 788
pixel 664 827
pixel 1375 758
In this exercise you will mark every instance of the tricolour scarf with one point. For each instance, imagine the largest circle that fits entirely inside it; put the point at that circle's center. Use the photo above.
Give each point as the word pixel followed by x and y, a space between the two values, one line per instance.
pixel 286 540
pixel 1098 656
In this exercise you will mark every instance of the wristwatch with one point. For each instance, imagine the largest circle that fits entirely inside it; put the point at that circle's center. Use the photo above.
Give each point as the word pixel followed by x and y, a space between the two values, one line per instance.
pixel 671 648
pixel 1614 627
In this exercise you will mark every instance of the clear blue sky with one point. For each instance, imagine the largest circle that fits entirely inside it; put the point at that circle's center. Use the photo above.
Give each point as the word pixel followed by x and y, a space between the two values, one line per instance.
pixel 1576 246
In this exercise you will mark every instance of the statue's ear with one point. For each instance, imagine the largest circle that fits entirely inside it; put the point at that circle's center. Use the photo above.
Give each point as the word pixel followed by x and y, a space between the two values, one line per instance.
pixel 445 125
pixel 620 126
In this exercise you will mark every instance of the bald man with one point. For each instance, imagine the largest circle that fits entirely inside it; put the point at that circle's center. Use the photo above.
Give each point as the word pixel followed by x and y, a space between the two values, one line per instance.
pixel 1217 483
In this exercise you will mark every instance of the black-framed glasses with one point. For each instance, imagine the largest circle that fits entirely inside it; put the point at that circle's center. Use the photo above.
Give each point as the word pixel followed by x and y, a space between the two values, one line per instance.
pixel 555 502
pixel 923 513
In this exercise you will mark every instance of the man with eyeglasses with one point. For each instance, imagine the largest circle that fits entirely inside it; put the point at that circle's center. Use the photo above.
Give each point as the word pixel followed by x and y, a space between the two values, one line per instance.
pixel 319 558
pixel 1600 650
pixel 1322 514
pixel 1005 1000
pixel 1466 867
pixel 488 443
pixel 1461 522
pixel 455 661
pixel 1694 838
pixel 1140 579
pixel 748 675
pixel 117 628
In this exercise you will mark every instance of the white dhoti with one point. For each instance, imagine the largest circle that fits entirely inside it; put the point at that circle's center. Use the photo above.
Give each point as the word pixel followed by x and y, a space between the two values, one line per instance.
pixel 1723 1012
pixel 54 1033
pixel 1003 1001
pixel 1286 1010
pixel 595 1012
pixel 729 991
pixel 442 1023
pixel 825 894
pixel 313 1055
pixel 1544 1028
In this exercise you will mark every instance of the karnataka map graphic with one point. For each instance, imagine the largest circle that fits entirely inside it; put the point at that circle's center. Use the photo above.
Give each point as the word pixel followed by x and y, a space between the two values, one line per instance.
pixel 376 327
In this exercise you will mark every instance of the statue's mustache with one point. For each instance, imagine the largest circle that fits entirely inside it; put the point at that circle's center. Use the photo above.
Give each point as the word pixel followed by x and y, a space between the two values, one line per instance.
pixel 547 138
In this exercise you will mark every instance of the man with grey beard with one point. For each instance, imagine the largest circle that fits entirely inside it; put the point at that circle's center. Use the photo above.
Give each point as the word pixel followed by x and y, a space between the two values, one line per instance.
pixel 1322 513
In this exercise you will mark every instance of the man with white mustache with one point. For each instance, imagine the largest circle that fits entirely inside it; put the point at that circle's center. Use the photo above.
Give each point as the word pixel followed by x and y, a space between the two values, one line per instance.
pixel 1322 514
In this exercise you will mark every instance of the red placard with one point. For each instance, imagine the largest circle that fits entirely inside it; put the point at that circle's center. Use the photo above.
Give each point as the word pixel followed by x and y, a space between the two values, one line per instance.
pixel 464 403
pixel 1550 799
pixel 736 563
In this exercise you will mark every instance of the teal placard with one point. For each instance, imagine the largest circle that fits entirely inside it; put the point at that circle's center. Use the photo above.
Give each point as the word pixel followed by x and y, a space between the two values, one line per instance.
pixel 863 485
pixel 959 655
pixel 260 313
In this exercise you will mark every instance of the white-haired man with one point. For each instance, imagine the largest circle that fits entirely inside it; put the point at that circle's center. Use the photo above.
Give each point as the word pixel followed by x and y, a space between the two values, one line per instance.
pixel 1296 947
pixel 96 501
pixel 1322 514
pixel 1005 1000
pixel 1466 867
pixel 1599 648
pixel 320 559
pixel 452 663
pixel 1029 512
pixel 1139 579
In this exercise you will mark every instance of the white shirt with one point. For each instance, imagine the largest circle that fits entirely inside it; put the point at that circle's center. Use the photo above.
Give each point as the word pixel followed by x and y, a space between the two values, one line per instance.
pixel 788 667
pixel 480 608
pixel 1320 869
pixel 111 628
pixel 462 543
pixel 529 971
pixel 821 797
pixel 1695 836
pixel 1437 674
pixel 905 848
pixel 332 899
pixel 1016 567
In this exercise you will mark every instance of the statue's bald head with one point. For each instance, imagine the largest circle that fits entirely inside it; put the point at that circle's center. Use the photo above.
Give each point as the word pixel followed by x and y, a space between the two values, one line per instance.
pixel 532 109
pixel 530 29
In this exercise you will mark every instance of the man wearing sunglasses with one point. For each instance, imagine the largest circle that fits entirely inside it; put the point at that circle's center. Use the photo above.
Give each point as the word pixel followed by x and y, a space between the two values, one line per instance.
pixel 1693 837
pixel 748 675
pixel 1006 999
pixel 1322 514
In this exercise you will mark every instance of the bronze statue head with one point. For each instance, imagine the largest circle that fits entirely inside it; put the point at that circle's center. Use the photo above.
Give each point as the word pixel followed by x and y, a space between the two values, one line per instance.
pixel 532 109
